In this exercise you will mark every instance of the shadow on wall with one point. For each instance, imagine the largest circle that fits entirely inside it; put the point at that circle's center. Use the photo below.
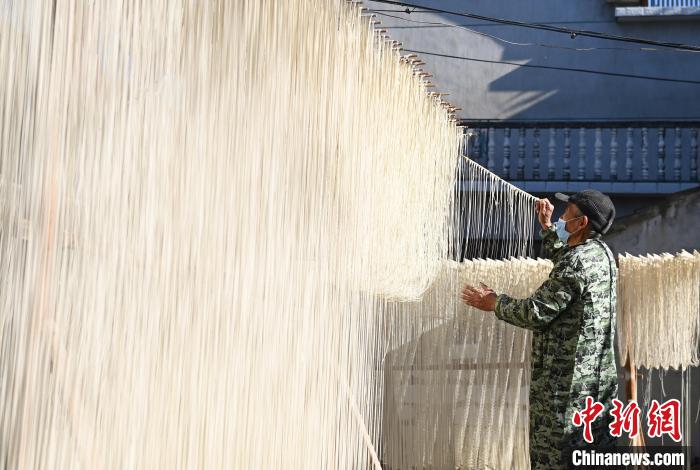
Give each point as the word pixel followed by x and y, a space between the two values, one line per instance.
pixel 559 94
pixel 534 86
pixel 668 226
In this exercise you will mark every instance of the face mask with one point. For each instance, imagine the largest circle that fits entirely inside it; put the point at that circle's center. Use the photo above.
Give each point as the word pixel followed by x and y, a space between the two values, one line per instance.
pixel 560 225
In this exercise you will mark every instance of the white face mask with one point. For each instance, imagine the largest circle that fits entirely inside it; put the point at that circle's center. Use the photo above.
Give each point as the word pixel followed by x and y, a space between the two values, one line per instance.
pixel 560 225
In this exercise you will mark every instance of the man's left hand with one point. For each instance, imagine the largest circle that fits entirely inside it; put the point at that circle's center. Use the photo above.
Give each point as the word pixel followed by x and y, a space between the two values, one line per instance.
pixel 483 297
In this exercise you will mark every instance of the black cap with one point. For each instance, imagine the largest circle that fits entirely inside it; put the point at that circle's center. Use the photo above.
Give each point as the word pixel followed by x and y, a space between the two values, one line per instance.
pixel 595 205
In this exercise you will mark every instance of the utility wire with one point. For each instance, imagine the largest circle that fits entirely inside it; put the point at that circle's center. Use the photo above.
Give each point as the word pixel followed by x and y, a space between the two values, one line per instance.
pixel 489 24
pixel 549 67
pixel 572 32
pixel 513 43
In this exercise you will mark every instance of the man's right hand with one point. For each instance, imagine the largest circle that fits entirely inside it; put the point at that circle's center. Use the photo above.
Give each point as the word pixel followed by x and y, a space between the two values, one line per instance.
pixel 544 210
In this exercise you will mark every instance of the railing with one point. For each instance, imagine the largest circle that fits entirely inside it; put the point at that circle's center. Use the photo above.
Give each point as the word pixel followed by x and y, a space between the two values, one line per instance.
pixel 654 157
pixel 674 3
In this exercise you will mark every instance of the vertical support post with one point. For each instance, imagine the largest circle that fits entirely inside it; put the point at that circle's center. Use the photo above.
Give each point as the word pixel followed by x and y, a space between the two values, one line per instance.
pixel 598 154
pixel 536 154
pixel 582 154
pixel 520 171
pixel 693 155
pixel 661 152
pixel 566 171
pixel 506 153
pixel 677 154
pixel 645 153
pixel 491 163
pixel 472 141
pixel 613 154
pixel 631 388
pixel 629 154
pixel 551 154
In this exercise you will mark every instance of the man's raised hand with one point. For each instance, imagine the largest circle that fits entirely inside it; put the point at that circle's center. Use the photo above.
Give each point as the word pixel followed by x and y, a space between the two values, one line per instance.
pixel 544 210
pixel 482 297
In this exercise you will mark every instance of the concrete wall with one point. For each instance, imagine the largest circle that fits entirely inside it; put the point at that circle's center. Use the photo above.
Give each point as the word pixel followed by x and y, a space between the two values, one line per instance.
pixel 496 91
pixel 667 226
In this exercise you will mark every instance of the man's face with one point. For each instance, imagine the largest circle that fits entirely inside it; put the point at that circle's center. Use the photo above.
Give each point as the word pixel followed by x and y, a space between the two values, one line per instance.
pixel 575 220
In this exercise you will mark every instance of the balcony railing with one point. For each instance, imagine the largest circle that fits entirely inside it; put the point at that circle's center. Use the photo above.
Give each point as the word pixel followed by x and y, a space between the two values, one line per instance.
pixel 656 10
pixel 617 157
pixel 674 3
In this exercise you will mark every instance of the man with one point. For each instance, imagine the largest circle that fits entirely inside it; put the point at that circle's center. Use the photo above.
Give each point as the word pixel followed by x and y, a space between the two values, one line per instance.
pixel 572 317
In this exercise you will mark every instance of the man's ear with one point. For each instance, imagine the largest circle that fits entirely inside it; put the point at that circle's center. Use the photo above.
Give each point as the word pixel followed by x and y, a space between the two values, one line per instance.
pixel 584 219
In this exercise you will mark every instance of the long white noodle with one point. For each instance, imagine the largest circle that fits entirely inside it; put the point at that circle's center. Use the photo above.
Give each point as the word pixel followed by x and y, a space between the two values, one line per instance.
pixel 212 215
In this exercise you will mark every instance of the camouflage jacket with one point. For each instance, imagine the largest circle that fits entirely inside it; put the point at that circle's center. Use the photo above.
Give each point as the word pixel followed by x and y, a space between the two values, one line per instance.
pixel 572 317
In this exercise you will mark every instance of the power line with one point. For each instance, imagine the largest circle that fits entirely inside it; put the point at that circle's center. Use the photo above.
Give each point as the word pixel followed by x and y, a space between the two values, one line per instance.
pixel 513 43
pixel 549 67
pixel 489 24
pixel 572 32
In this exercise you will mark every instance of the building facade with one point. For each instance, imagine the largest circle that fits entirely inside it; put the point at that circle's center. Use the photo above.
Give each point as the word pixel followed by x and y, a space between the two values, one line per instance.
pixel 551 111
